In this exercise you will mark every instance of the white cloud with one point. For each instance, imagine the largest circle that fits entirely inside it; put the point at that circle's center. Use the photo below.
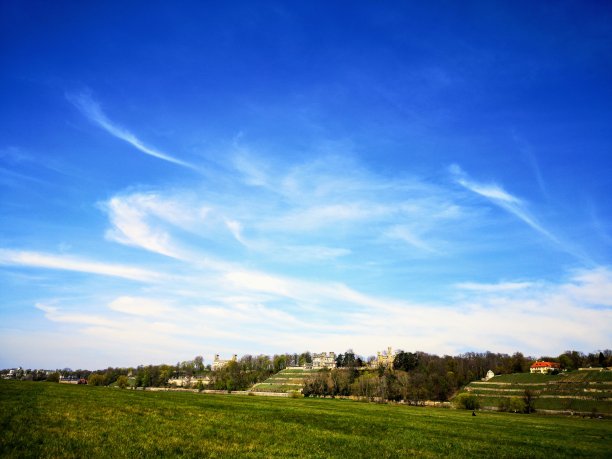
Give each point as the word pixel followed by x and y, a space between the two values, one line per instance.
pixel 517 207
pixel 253 171
pixel 140 306
pixel 54 314
pixel 408 236
pixel 236 229
pixel 293 288
pixel 505 200
pixel 271 319
pixel 66 263
pixel 128 216
pixel 92 110
pixel 324 216
pixel 491 191
pixel 250 314
pixel 312 252
pixel 592 287
pixel 500 287
pixel 260 282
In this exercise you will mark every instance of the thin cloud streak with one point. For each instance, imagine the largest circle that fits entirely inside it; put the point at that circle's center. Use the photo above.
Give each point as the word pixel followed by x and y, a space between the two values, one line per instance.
pixel 502 198
pixel 494 288
pixel 530 157
pixel 54 314
pixel 139 306
pixel 59 262
pixel 516 207
pixel 91 109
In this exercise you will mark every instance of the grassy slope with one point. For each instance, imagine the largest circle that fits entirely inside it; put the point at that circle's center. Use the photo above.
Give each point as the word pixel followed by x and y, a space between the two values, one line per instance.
pixel 287 380
pixel 52 420
pixel 552 391
pixel 575 376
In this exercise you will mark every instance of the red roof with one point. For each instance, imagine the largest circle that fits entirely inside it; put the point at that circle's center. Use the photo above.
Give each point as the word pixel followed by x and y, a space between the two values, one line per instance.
pixel 545 365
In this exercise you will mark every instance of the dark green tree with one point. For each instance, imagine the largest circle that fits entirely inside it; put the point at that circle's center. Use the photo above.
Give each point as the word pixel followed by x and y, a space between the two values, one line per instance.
pixel 198 363
pixel 405 361
pixel 529 401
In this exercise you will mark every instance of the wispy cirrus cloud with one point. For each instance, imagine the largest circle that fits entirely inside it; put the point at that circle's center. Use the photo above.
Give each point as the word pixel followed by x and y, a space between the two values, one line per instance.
pixel 515 206
pixel 500 197
pixel 235 228
pixel 55 314
pixel 128 217
pixel 493 288
pixel 92 110
pixel 140 306
pixel 258 263
pixel 9 257
pixel 409 236
pixel 243 320
pixel 283 221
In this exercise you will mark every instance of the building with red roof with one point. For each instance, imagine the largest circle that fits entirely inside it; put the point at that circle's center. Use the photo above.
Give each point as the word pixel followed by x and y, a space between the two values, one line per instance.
pixel 544 367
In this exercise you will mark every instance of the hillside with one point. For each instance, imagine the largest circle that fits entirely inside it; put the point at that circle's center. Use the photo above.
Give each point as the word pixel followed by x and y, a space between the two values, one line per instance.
pixel 581 392
pixel 287 380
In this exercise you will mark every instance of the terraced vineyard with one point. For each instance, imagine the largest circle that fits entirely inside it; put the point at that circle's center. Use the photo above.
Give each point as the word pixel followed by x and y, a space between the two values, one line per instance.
pixel 581 392
pixel 287 380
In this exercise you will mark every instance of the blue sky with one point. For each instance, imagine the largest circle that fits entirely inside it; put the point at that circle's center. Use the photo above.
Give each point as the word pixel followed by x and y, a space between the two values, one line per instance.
pixel 264 177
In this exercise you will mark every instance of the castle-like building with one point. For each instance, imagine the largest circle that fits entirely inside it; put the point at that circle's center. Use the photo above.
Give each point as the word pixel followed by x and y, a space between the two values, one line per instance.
pixel 384 359
pixel 218 363
pixel 324 360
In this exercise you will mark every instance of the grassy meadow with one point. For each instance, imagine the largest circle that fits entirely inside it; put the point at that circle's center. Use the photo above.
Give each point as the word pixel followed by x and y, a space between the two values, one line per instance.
pixel 55 420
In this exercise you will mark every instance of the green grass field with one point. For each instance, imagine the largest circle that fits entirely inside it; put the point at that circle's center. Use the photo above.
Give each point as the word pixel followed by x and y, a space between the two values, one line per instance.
pixel 53 420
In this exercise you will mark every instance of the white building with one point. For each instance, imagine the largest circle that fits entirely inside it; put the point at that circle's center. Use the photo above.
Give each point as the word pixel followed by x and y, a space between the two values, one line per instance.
pixel 544 367
pixel 218 363
pixel 189 381
pixel 324 360
pixel 384 359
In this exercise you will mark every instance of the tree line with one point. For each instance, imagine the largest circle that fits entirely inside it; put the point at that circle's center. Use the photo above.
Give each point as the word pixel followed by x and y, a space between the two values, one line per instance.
pixel 414 376
pixel 417 376
pixel 235 375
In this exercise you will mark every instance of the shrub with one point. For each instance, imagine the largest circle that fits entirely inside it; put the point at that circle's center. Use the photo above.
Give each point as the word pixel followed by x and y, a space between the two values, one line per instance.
pixel 53 377
pixel 96 380
pixel 467 401
pixel 513 405
pixel 122 382
pixel 516 405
